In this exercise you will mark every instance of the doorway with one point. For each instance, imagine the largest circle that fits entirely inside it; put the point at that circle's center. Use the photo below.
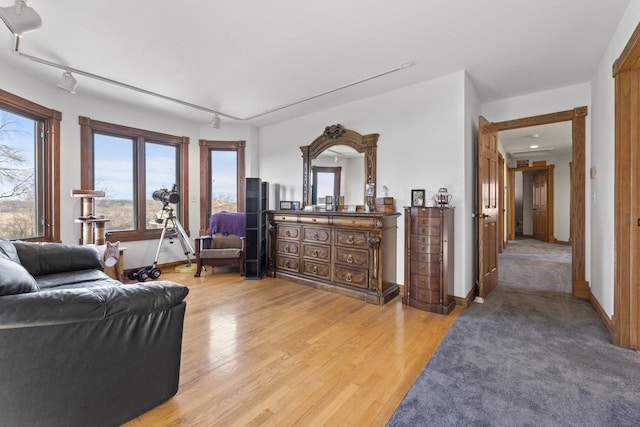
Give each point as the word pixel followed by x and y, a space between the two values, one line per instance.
pixel 532 201
pixel 579 286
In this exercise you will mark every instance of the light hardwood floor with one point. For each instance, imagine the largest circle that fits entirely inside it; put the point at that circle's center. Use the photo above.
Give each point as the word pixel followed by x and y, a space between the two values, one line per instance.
pixel 271 352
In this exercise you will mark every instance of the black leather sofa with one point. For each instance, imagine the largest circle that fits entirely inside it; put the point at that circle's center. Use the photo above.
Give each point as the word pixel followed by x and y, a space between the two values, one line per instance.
pixel 78 348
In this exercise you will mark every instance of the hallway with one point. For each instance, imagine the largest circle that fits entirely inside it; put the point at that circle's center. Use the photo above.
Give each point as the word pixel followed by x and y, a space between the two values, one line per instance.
pixel 535 265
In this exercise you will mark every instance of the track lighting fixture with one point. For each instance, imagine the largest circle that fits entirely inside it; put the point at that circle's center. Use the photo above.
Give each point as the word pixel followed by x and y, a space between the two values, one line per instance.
pixel 20 18
pixel 68 82
pixel 215 122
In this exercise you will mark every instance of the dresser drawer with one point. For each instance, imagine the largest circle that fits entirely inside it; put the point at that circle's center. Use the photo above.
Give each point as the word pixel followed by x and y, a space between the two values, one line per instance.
pixel 425 258
pixel 341 221
pixel 322 253
pixel 316 234
pixel 430 283
pixel 425 229
pixel 417 247
pixel 425 295
pixel 425 212
pixel 352 277
pixel 427 239
pixel 288 231
pixel 352 238
pixel 316 269
pixel 284 218
pixel 320 220
pixel 426 268
pixel 288 247
pixel 356 257
pixel 287 263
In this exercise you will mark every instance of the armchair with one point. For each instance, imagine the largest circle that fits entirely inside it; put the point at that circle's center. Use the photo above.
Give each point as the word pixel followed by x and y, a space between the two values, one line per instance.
pixel 225 244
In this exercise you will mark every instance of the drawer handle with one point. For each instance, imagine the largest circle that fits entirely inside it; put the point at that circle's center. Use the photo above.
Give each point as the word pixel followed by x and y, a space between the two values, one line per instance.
pixel 314 253
pixel 316 236
pixel 314 220
pixel 286 263
pixel 284 217
pixel 314 270
pixel 349 278
pixel 424 240
pixel 287 233
pixel 350 259
pixel 424 230
pixel 350 240
pixel 286 249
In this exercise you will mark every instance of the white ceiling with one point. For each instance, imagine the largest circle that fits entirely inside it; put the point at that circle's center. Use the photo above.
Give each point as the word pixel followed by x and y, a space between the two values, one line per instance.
pixel 245 57
pixel 551 139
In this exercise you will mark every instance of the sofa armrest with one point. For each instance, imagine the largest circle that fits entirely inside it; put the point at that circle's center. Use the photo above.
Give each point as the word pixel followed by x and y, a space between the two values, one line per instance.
pixel 64 306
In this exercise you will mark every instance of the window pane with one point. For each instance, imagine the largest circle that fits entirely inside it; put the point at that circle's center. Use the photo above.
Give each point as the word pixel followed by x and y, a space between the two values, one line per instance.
pixel 113 173
pixel 161 174
pixel 224 181
pixel 22 197
pixel 326 182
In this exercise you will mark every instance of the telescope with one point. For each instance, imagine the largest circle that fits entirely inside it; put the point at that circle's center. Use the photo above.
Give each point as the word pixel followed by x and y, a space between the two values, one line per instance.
pixel 165 196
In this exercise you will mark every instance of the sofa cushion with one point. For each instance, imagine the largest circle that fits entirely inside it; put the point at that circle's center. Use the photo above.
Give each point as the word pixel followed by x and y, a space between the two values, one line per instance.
pixel 14 279
pixel 7 248
pixel 220 253
pixel 75 279
pixel 49 258
pixel 220 241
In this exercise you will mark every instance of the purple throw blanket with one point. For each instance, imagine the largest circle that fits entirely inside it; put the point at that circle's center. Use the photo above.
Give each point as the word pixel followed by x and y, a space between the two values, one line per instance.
pixel 228 223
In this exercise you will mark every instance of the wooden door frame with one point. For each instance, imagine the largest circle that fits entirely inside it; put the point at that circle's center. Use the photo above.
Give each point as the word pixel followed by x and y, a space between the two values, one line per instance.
pixel 501 221
pixel 580 287
pixel 511 226
pixel 625 325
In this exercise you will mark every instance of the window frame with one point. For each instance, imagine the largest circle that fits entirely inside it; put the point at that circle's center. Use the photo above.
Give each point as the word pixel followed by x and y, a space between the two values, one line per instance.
pixel 206 147
pixel 140 136
pixel 52 119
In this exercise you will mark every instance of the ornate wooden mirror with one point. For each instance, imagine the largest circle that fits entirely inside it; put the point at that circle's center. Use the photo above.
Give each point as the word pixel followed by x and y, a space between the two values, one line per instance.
pixel 332 137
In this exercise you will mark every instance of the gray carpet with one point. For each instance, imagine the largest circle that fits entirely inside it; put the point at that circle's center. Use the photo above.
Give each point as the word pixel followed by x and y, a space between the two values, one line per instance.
pixel 526 357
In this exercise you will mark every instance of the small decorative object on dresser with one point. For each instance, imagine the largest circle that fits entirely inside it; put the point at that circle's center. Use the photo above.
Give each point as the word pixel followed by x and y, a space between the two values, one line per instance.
pixel 417 197
pixel 428 270
pixel 286 206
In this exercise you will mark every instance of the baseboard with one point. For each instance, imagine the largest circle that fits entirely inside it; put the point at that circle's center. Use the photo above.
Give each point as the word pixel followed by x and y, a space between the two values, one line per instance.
pixel 608 322
pixel 466 301
pixel 581 290
pixel 563 242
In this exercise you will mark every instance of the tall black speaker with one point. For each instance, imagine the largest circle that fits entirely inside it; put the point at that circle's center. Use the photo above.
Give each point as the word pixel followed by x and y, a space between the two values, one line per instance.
pixel 257 204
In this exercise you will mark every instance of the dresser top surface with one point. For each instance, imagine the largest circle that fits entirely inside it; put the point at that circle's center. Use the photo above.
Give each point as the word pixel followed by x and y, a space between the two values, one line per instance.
pixel 335 213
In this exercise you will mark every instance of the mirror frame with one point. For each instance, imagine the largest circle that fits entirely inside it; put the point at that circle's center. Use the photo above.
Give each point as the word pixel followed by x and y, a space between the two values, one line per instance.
pixel 338 135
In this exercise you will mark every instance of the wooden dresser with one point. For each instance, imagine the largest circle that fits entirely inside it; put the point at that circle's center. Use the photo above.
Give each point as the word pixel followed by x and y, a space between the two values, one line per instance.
pixel 428 269
pixel 349 253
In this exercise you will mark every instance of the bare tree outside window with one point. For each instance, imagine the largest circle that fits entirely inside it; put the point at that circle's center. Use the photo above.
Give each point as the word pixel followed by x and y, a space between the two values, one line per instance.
pixel 20 154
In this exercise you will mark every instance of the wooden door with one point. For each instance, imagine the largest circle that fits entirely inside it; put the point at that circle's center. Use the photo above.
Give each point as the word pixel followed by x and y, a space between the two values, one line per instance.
pixel 540 216
pixel 487 207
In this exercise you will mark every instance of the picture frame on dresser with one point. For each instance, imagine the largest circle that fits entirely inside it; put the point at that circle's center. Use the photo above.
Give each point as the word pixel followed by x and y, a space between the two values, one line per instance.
pixel 286 205
pixel 417 198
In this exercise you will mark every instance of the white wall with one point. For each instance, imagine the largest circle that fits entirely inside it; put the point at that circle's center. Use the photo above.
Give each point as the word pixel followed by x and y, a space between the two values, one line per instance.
pixel 140 253
pixel 603 158
pixel 422 145
pixel 471 114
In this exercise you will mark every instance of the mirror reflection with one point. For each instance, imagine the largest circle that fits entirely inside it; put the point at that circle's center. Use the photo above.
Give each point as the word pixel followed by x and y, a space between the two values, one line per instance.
pixel 338 171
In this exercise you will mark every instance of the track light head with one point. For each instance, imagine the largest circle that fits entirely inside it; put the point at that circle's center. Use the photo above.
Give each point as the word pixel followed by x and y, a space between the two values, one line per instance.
pixel 215 122
pixel 68 82
pixel 20 18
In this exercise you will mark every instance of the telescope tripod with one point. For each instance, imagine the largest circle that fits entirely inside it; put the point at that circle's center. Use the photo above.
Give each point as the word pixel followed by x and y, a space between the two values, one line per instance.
pixel 171 228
